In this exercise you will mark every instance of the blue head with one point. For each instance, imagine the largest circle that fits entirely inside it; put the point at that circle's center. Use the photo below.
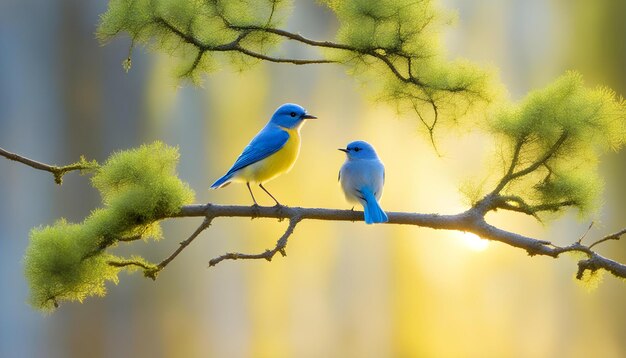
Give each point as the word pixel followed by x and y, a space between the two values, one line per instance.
pixel 360 150
pixel 290 115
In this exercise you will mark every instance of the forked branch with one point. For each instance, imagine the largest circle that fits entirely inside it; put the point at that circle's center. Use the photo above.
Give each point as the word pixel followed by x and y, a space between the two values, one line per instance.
pixel 281 244
pixel 57 171
pixel 399 63
pixel 472 220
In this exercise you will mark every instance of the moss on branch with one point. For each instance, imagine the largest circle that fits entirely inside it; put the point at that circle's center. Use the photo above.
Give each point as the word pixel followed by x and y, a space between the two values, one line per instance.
pixel 68 262
pixel 395 48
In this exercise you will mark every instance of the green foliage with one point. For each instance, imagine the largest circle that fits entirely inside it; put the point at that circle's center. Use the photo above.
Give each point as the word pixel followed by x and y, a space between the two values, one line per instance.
pixel 391 25
pixel 407 34
pixel 549 144
pixel 83 165
pixel 591 279
pixel 62 262
pixel 552 141
pixel 136 263
pixel 194 31
pixel 138 188
pixel 141 184
pixel 393 45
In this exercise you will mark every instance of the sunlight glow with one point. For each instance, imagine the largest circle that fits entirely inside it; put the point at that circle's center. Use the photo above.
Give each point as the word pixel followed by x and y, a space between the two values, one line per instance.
pixel 474 242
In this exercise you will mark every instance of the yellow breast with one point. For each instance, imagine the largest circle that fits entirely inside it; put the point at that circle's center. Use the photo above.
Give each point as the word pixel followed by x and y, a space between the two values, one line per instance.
pixel 280 162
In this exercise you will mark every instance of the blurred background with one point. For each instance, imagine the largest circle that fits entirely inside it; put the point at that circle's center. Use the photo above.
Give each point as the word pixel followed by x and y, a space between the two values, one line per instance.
pixel 345 290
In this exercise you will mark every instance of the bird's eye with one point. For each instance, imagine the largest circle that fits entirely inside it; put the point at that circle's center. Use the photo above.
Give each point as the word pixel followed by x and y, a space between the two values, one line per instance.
pixel 356 149
pixel 293 114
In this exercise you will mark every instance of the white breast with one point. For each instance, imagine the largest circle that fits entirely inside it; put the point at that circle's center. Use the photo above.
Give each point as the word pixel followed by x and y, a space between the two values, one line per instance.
pixel 365 173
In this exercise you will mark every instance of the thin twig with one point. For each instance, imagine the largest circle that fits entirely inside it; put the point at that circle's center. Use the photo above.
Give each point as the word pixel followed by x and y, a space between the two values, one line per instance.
pixel 153 273
pixel 124 263
pixel 281 244
pixel 615 236
pixel 507 177
pixel 233 46
pixel 582 237
pixel 57 171
pixel 385 56
pixel 130 238
pixel 292 61
pixel 541 161
pixel 517 204
pixel 472 220
pixel 493 199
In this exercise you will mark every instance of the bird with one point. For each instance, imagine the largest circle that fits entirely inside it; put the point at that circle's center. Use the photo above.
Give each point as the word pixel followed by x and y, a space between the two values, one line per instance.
pixel 273 151
pixel 362 177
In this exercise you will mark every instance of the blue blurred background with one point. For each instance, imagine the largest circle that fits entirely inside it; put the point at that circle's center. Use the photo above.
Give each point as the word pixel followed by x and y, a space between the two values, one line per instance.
pixel 345 290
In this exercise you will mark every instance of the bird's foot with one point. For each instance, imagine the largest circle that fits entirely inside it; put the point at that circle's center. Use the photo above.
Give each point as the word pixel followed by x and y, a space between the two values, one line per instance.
pixel 256 211
pixel 279 209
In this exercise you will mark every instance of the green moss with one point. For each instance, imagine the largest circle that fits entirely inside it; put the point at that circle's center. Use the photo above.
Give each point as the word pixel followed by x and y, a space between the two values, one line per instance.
pixel 132 16
pixel 580 188
pixel 399 32
pixel 408 34
pixel 188 29
pixel 590 280
pixel 61 264
pixel 560 132
pixel 140 186
pixel 68 262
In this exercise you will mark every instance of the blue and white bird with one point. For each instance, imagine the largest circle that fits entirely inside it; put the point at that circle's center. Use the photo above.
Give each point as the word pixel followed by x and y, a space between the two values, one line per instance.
pixel 271 152
pixel 362 177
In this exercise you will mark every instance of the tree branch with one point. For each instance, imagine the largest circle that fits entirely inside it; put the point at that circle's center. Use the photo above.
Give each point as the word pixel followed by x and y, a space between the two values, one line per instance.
pixel 281 244
pixel 372 52
pixel 292 61
pixel 471 220
pixel 516 203
pixel 511 174
pixel 515 157
pixel 57 171
pixel 233 46
pixel 387 56
pixel 125 263
pixel 543 160
pixel 615 236
pixel 153 272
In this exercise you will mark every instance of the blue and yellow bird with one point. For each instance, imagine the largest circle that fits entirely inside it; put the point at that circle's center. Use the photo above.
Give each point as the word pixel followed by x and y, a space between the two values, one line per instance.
pixel 362 177
pixel 271 152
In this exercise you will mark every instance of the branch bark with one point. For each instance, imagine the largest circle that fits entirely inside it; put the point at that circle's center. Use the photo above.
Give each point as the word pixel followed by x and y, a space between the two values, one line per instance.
pixel 233 46
pixel 57 171
pixel 401 70
pixel 281 244
pixel 472 220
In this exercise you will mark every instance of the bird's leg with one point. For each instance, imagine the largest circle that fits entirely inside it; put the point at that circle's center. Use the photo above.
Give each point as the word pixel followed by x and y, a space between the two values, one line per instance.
pixel 255 207
pixel 268 193
pixel 252 195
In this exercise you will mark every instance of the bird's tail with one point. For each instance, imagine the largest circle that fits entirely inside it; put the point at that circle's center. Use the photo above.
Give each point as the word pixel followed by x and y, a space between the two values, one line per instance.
pixel 373 212
pixel 223 181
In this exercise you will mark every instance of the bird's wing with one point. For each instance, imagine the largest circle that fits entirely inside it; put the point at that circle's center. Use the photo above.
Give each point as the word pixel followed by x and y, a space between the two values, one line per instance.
pixel 267 142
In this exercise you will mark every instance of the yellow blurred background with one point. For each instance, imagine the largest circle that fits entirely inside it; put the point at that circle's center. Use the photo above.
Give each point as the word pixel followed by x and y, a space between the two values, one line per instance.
pixel 345 289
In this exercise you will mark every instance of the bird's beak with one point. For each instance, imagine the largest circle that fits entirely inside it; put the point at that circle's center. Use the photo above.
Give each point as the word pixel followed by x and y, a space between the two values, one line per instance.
pixel 343 150
pixel 309 116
